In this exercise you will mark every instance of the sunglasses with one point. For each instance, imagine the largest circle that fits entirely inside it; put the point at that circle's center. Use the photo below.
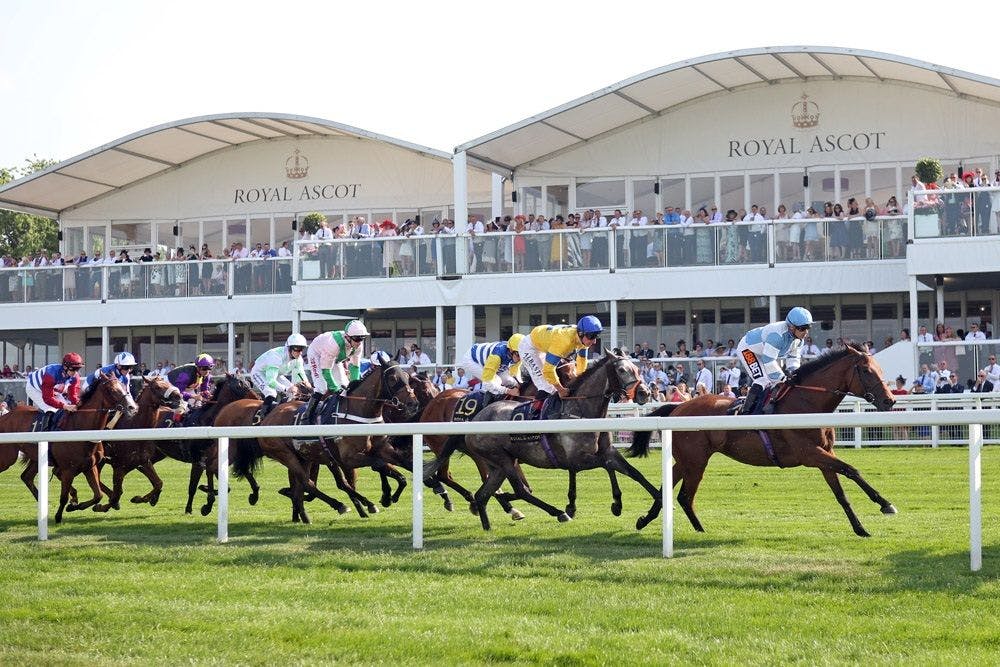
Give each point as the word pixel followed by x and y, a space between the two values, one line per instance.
pixel 296 348
pixel 357 339
pixel 804 328
pixel 73 368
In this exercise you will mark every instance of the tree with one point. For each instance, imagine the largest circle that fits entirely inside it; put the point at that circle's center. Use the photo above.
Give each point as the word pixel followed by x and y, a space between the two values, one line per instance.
pixel 20 233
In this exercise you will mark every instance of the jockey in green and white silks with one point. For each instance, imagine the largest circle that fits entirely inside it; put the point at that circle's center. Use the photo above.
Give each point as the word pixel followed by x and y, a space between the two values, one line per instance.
pixel 280 368
pixel 761 348
pixel 327 354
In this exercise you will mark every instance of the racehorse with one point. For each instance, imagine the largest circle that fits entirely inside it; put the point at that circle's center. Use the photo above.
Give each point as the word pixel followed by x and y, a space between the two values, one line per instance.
pixel 817 386
pixel 69 459
pixel 589 395
pixel 195 452
pixel 362 403
pixel 124 457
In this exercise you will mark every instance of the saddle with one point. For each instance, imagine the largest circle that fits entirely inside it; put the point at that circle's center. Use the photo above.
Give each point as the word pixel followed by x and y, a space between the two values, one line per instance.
pixel 47 421
pixel 469 406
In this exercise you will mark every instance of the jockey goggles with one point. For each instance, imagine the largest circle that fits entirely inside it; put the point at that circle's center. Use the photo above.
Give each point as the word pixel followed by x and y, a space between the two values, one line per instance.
pixel 357 339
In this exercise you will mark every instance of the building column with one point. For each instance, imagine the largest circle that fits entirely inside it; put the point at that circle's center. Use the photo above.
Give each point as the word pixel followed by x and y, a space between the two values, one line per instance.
pixel 492 323
pixel 296 321
pixel 613 325
pixel 939 298
pixel 439 335
pixel 496 201
pixel 772 306
pixel 460 170
pixel 465 328
pixel 914 324
pixel 105 346
pixel 231 345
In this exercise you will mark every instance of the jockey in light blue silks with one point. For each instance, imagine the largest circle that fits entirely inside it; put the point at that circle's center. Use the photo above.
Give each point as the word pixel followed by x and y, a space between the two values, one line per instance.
pixel 761 348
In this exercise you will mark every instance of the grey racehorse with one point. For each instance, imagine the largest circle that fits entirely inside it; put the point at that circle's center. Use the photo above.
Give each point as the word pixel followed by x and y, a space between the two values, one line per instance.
pixel 612 376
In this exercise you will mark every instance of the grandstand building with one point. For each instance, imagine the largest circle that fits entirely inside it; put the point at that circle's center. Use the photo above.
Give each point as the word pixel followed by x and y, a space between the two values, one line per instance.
pixel 788 127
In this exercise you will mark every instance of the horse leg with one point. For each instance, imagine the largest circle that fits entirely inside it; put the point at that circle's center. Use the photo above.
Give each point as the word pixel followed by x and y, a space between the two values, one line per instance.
pixel 850 472
pixel 153 496
pixel 310 486
pixel 254 489
pixel 838 492
pixel 349 486
pixel 571 495
pixel 490 485
pixel 617 463
pixel 383 474
pixel 28 477
pixel 93 476
pixel 616 494
pixel 115 494
pixel 522 492
pixel 63 498
pixel 387 471
pixel 210 462
pixel 502 498
pixel 196 469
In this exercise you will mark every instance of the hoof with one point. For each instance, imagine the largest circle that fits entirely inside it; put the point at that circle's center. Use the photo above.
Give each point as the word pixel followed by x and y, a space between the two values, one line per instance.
pixel 474 509
pixel 517 515
pixel 571 511
pixel 205 509
pixel 154 499
pixel 137 500
pixel 343 509
pixel 101 508
pixel 641 523
pixel 616 509
pixel 72 507
pixel 372 509
pixel 286 492
pixel 254 497
pixel 889 509
pixel 448 505
pixel 386 501
pixel 563 518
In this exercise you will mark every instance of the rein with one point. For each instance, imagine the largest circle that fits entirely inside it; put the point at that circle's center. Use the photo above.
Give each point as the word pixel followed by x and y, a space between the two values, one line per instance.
pixel 867 396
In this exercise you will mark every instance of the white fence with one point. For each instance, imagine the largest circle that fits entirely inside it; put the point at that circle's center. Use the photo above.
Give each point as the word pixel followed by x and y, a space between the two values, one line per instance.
pixel 666 425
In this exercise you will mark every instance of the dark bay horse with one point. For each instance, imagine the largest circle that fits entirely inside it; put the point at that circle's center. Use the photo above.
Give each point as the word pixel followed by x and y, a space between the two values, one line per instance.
pixel 156 398
pixel 816 387
pixel 363 403
pixel 227 389
pixel 589 395
pixel 69 459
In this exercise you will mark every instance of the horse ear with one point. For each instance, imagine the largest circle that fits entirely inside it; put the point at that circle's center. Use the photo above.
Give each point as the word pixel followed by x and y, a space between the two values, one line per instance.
pixel 608 353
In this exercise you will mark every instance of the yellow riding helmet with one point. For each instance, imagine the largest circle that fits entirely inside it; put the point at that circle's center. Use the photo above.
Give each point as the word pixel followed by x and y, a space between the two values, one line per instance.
pixel 514 341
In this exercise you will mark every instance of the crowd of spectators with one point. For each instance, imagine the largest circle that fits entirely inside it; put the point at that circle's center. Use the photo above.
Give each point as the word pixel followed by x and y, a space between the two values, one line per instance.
pixel 959 213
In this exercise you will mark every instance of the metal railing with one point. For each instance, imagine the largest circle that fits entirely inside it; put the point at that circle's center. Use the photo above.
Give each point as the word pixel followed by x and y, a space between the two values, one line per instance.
pixel 145 280
pixel 665 425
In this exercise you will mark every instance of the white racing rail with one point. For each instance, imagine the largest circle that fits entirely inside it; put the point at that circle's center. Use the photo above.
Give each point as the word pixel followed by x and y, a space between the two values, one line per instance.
pixel 666 425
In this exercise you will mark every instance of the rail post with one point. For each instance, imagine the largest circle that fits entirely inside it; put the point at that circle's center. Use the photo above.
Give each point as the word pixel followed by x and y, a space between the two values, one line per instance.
pixel 975 496
pixel 223 520
pixel 667 452
pixel 418 491
pixel 43 490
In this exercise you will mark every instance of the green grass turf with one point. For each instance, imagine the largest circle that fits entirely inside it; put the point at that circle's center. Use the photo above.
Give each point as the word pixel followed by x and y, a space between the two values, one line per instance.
pixel 778 577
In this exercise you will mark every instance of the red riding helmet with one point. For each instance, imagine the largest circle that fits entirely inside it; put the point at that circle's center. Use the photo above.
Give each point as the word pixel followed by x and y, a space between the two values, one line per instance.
pixel 72 359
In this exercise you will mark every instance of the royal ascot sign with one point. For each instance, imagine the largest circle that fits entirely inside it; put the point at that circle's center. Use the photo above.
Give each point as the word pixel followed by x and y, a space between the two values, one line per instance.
pixel 296 168
pixel 805 114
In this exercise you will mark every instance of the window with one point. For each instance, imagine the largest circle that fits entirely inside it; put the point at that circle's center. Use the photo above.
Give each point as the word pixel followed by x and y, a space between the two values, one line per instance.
pixel 600 194
pixel 702 193
pixel 643 198
pixel 883 185
pixel 672 192
pixel 531 200
pixel 732 193
pixel 790 192
pixel 762 192
pixel 557 197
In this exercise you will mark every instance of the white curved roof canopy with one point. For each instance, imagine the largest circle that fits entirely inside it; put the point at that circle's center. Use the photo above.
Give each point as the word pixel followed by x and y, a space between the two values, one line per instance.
pixel 136 157
pixel 658 91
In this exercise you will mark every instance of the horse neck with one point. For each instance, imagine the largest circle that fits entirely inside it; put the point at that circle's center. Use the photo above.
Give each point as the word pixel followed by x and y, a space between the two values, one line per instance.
pixel 593 392
pixel 832 379
pixel 367 389
pixel 92 414
pixel 149 406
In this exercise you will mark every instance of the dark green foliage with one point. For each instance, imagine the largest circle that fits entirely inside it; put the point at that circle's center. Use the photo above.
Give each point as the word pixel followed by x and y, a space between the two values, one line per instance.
pixel 22 234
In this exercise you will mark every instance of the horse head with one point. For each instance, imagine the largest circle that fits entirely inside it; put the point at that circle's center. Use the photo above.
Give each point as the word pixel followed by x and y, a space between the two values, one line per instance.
pixel 111 396
pixel 233 388
pixel 157 391
pixel 423 388
pixel 396 391
pixel 625 381
pixel 868 382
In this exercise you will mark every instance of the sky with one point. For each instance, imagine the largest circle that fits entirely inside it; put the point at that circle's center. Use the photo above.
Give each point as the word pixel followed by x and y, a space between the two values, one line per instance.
pixel 77 75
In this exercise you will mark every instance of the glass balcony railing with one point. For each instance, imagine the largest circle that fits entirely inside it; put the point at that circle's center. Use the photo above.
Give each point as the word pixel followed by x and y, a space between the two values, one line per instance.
pixel 955 212
pixel 145 280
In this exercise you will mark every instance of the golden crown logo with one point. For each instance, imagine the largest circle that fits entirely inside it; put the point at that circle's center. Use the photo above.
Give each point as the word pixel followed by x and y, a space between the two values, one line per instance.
pixel 297 166
pixel 805 113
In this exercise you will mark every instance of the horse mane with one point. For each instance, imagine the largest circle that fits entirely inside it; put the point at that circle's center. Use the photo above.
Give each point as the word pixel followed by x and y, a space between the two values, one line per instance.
pixel 825 360
pixel 218 388
pixel 591 369
pixel 89 393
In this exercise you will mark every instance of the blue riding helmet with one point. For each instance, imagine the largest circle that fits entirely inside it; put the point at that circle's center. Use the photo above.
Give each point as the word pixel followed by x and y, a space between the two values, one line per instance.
pixel 799 317
pixel 589 325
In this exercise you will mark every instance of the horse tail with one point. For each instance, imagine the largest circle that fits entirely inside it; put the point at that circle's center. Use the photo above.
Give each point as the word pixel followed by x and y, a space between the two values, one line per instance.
pixel 451 444
pixel 640 439
pixel 248 457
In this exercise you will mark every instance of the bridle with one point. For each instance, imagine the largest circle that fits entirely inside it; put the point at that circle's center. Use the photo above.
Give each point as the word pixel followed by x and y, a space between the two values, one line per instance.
pixel 388 395
pixel 617 393
pixel 868 395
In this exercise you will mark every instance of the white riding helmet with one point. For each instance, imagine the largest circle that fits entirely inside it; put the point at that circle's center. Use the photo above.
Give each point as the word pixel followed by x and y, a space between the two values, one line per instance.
pixel 380 358
pixel 296 340
pixel 355 328
pixel 124 359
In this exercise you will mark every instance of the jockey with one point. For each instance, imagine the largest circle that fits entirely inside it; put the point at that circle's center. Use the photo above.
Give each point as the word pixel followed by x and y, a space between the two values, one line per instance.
pixel 495 365
pixel 272 370
pixel 326 354
pixel 761 348
pixel 55 387
pixel 547 345
pixel 194 380
pixel 120 369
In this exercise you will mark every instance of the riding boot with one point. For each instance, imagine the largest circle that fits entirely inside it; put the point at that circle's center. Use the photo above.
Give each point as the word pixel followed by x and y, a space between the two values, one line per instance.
pixel 267 406
pixel 311 407
pixel 536 407
pixel 753 399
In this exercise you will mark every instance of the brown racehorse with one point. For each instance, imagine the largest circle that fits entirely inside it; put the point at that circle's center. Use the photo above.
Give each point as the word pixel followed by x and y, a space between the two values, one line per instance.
pixel 363 402
pixel 156 397
pixel 69 459
pixel 817 386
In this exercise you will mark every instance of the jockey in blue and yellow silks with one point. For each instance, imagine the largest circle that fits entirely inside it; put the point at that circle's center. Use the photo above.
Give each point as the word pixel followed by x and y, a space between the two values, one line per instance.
pixel 761 348
pixel 496 365
pixel 547 346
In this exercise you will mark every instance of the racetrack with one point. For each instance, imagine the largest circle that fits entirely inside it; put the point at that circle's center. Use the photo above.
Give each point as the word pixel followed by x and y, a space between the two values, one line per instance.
pixel 777 577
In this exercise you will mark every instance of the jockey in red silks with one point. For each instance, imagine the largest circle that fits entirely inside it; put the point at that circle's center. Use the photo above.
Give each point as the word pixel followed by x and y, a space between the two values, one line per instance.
pixel 56 386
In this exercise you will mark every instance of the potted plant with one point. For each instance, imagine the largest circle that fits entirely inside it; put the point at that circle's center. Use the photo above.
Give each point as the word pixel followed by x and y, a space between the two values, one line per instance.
pixel 927 207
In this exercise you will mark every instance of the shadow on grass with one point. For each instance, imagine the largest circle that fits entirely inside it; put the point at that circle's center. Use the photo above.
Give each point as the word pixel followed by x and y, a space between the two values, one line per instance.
pixel 923 570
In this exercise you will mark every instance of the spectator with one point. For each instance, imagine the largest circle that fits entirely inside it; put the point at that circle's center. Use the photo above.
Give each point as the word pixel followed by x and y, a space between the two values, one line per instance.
pixel 702 376
pixel 992 371
pixel 982 385
pixel 974 333
pixel 727 392
pixel 417 357
pixel 3 408
pixel 926 379
pixel 461 381
pixel 809 349
pixel 827 347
